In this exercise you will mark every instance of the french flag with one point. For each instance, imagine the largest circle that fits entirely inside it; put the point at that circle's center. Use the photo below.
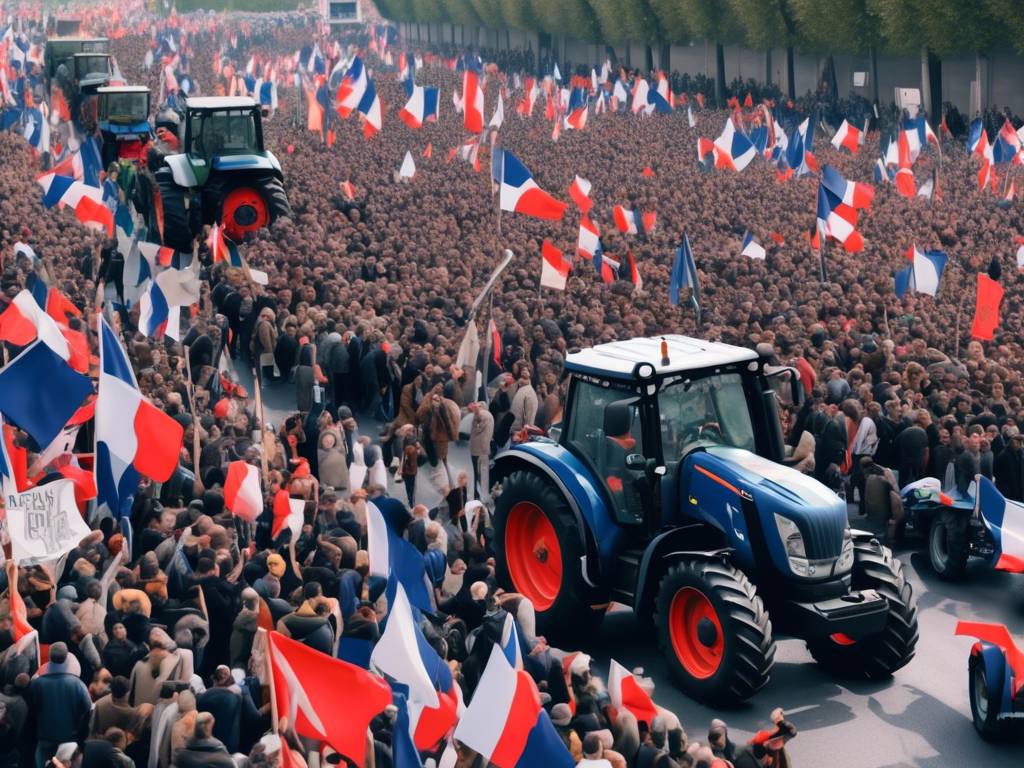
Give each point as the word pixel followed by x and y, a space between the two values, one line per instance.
pixel 24 320
pixel 554 269
pixel 397 654
pixel 166 294
pixel 731 149
pixel 918 133
pixel 579 191
pixel 243 496
pixel 848 136
pixel 905 175
pixel 625 220
pixel 923 274
pixel 578 110
pixel 84 200
pixel 1006 148
pixel 751 248
pixel 606 267
pixel 391 555
pixel 421 107
pixel 799 150
pixel 134 438
pixel 1004 519
pixel 838 203
pixel 472 101
pixel 289 515
pixel 505 723
pixel 530 94
pixel 625 693
pixel 977 139
pixel 852 193
pixel 589 239
pixel 358 93
pixel 519 192
pixel 634 273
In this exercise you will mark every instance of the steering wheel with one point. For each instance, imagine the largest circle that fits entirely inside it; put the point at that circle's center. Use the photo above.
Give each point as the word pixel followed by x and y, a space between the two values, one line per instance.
pixel 709 431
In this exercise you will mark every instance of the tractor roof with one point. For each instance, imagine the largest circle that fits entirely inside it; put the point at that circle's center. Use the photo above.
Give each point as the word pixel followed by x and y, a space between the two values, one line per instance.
pixel 123 89
pixel 619 359
pixel 220 102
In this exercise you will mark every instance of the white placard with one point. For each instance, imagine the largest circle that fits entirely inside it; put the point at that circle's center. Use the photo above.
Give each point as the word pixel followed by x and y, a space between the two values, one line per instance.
pixel 44 523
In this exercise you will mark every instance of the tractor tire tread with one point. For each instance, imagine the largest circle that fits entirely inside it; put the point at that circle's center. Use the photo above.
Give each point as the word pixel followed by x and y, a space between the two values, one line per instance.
pixel 177 232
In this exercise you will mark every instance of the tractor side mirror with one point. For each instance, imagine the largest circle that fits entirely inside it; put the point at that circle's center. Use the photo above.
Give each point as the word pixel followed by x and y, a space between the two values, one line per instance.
pixel 618 417
pixel 785 383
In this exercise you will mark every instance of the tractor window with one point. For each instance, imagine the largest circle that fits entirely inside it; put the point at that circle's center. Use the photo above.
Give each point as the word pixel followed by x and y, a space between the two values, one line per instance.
pixel 86 66
pixel 710 411
pixel 126 106
pixel 214 133
pixel 606 453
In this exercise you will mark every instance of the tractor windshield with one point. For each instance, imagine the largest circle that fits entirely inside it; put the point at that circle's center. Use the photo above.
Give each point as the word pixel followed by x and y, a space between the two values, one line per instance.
pixel 712 410
pixel 91 66
pixel 126 107
pixel 227 131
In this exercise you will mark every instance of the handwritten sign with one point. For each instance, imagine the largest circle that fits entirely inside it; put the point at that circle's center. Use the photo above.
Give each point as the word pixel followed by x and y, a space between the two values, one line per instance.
pixel 44 522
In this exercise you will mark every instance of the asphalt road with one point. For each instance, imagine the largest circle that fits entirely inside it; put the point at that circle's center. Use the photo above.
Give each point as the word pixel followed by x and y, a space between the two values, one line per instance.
pixel 921 717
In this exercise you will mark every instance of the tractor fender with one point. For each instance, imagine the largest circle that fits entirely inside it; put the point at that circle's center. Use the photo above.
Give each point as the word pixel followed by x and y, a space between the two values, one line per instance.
pixel 181 170
pixel 599 535
pixel 694 541
pixel 997 676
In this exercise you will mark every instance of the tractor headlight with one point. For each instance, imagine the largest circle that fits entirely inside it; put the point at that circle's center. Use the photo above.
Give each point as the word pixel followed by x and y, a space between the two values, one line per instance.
pixel 792 539
pixel 845 562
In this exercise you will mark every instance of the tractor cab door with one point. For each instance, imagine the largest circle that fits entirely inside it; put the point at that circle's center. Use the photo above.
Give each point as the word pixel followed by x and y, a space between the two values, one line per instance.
pixel 605 431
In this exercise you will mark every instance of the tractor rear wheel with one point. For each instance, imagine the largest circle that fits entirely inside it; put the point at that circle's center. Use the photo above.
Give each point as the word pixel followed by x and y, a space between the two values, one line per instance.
pixel 875 656
pixel 947 545
pixel 714 630
pixel 985 702
pixel 176 231
pixel 539 556
pixel 251 204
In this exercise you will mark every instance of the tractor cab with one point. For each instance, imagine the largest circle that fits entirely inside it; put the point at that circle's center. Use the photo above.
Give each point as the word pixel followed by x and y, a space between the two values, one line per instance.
pixel 62 50
pixel 124 122
pixel 92 71
pixel 637 409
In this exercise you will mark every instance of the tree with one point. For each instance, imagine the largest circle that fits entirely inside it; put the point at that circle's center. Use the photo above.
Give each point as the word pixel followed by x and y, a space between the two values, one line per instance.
pixel 624 22
pixel 573 18
pixel 397 10
pixel 1007 14
pixel 767 24
pixel 489 12
pixel 520 14
pixel 462 12
pixel 671 21
pixel 840 25
pixel 712 20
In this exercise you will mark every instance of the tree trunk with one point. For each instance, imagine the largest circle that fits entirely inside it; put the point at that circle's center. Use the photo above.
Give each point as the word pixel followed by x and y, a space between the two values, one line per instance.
pixel 926 84
pixel 790 72
pixel 768 67
pixel 935 79
pixel 981 81
pixel 508 40
pixel 666 57
pixel 719 74
pixel 874 75
pixel 648 59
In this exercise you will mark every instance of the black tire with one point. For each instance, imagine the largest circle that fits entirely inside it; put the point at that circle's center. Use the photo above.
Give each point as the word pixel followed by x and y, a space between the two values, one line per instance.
pixel 747 650
pixel 177 232
pixel 570 617
pixel 876 656
pixel 984 706
pixel 277 200
pixel 947 545
pixel 269 187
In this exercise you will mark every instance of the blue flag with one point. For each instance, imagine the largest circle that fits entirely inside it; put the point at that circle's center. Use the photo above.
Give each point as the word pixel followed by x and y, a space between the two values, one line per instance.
pixel 684 275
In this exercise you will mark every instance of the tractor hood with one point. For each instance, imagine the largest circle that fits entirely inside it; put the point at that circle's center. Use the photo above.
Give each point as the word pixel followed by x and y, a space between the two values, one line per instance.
pixel 777 489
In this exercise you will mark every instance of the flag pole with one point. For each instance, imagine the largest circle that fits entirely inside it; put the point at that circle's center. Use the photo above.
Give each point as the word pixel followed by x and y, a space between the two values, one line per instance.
pixel 264 464
pixel 190 391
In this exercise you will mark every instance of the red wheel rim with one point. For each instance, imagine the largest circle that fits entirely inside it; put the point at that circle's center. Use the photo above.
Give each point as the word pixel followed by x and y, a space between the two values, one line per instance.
pixel 696 633
pixel 244 211
pixel 841 638
pixel 533 555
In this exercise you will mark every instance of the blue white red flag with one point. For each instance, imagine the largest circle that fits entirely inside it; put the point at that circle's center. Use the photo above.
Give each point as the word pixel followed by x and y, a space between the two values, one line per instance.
pixel 519 192
pixel 684 275
pixel 1004 519
pixel 421 107
pixel 84 200
pixel 472 101
pixel 751 248
pixel 358 93
pixel 923 274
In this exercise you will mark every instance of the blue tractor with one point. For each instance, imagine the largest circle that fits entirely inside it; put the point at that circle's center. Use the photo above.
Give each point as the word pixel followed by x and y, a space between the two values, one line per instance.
pixel 665 491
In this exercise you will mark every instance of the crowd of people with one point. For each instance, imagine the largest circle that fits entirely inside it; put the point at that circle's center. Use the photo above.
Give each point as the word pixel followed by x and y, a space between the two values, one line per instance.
pixel 150 656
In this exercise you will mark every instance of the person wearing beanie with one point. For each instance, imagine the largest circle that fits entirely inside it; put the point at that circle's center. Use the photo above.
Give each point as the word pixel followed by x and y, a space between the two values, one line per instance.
pixel 61 704
pixel 718 739
pixel 203 750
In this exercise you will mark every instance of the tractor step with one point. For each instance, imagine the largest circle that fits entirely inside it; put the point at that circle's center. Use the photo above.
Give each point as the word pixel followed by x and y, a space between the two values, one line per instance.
pixel 627 572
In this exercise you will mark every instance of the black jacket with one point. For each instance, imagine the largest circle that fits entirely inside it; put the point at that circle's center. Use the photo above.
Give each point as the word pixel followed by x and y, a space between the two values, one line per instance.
pixel 202 753
pixel 1008 469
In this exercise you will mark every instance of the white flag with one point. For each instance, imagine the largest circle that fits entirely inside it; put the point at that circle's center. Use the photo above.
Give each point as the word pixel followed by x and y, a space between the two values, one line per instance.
pixel 408 169
pixel 44 522
pixel 499 114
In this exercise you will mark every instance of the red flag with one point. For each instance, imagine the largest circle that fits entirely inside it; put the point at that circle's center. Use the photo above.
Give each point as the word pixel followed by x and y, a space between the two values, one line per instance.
pixel 986 309
pixel 647 172
pixel 700 100
pixel 323 698
pixel 749 101
pixel 778 238
pixel 495 342
pixel 429 151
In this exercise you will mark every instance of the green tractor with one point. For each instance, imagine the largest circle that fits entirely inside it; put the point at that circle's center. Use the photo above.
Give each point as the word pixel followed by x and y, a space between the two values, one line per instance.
pixel 80 67
pixel 222 173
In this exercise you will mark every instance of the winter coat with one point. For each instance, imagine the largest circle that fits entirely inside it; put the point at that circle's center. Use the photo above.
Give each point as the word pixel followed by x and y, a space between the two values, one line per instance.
pixel 481 433
pixel 524 407
pixel 61 704
pixel 203 753
pixel 331 459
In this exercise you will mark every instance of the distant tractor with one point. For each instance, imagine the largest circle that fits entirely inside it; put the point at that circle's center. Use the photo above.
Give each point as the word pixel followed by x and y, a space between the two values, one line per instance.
pixel 664 491
pixel 124 123
pixel 222 174
pixel 80 67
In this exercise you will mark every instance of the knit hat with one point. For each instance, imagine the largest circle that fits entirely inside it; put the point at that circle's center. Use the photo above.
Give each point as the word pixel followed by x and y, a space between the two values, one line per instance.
pixel 275 564
pixel 561 715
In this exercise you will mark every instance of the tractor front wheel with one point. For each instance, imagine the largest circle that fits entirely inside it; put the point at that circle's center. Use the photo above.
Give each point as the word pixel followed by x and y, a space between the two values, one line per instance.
pixel 875 656
pixel 252 205
pixel 947 545
pixel 985 703
pixel 539 555
pixel 175 221
pixel 714 630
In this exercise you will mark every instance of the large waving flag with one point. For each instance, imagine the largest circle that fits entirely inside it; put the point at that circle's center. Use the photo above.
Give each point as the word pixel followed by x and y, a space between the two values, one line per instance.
pixel 397 654
pixel 986 308
pixel 577 111
pixel 472 101
pixel 800 149
pixel 505 722
pixel 625 220
pixel 358 93
pixel 1007 146
pixel 243 496
pixel 421 107
pixel 498 118
pixel 1004 520
pixel 731 149
pixel 40 392
pixel 751 248
pixel 391 555
pixel 165 295
pixel 519 192
pixel 133 437
pixel 684 275
pixel 589 238
pixel 848 136
pixel 24 320
pixel 325 699
pixel 85 201
pixel 625 693
pixel 289 515
pixel 918 133
pixel 923 274
pixel 838 203
pixel 905 175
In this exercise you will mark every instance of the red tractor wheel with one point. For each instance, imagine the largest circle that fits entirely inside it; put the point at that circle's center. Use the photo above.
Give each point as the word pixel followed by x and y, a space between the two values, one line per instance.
pixel 539 554
pixel 244 211
pixel 696 632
